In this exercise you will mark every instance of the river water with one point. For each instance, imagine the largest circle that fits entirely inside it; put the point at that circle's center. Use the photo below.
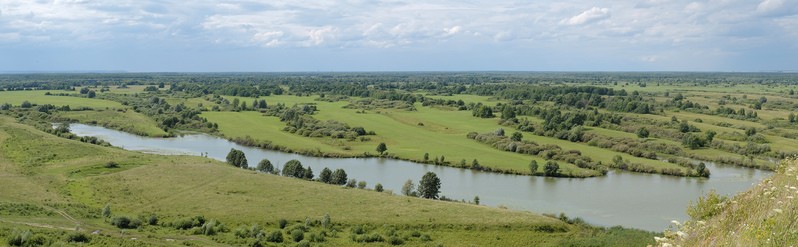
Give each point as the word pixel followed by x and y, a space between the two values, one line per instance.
pixel 643 201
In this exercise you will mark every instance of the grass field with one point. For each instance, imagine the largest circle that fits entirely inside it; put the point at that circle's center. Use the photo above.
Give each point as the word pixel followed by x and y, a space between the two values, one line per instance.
pixel 63 183
pixel 38 97
pixel 443 133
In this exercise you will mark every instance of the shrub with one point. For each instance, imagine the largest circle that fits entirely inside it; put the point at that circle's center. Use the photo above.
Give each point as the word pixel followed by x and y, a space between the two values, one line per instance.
pixel 707 206
pixel 26 238
pixel 275 237
pixel 351 183
pixel 77 237
pixel 124 222
pixel 297 235
pixel 361 185
pixel 282 223
pixel 378 188
pixel 111 164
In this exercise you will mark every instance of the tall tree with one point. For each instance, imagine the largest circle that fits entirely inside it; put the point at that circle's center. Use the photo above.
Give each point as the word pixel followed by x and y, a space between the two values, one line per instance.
pixel 338 177
pixel 325 176
pixel 430 186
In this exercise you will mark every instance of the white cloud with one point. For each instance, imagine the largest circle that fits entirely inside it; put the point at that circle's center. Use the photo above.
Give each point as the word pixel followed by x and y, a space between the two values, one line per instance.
pixel 589 16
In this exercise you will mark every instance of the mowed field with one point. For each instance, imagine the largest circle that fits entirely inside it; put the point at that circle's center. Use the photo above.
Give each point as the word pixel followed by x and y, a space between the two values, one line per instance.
pixel 67 183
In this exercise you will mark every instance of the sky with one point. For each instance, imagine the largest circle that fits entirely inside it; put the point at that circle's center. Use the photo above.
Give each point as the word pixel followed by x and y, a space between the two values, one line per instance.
pixel 397 35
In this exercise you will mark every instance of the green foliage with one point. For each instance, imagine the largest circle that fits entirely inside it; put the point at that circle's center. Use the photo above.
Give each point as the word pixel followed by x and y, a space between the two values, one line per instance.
pixel 551 168
pixel 476 200
pixel 265 166
pixel 361 185
pixel 338 177
pixel 642 132
pixel 707 206
pixel 26 238
pixel 293 168
pixel 517 136
pixel 237 158
pixel 297 235
pixel 325 176
pixel 77 237
pixel 124 222
pixel 275 237
pixel 381 148
pixel 430 186
pixel 378 187
pixel 107 211
pixel 533 167
pixel 282 223
pixel 351 183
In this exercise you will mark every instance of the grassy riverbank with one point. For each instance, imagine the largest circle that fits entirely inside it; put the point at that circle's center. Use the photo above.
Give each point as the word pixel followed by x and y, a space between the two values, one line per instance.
pixel 58 187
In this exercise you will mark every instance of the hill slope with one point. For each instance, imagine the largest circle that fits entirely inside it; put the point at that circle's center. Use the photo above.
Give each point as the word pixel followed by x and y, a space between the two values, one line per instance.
pixel 54 191
pixel 766 215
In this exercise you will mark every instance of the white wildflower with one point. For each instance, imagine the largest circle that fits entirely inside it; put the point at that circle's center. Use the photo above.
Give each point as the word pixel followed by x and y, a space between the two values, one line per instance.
pixel 666 245
pixel 777 210
pixel 675 222
pixel 681 234
pixel 793 188
pixel 701 222
pixel 790 197
pixel 658 239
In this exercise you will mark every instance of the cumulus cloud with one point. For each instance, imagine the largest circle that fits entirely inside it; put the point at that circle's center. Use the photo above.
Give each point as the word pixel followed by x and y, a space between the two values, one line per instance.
pixel 589 16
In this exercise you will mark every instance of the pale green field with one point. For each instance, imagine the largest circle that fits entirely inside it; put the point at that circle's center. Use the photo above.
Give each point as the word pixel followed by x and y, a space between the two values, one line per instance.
pixel 37 97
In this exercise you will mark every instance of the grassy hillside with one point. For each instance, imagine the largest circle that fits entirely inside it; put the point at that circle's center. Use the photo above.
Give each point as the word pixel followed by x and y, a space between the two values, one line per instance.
pixel 54 191
pixel 766 215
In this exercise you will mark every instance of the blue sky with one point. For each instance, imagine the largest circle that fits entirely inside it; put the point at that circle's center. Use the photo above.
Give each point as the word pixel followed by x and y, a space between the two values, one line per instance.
pixel 397 35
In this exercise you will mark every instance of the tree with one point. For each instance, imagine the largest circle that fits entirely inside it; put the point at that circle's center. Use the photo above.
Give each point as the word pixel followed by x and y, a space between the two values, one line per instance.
pixel 499 132
pixel 338 177
pixel 517 136
pixel 702 170
pixel 792 117
pixel 84 90
pixel 533 167
pixel 378 188
pixel 642 132
pixel 692 141
pixel 430 186
pixel 476 200
pixel 408 188
pixel 91 94
pixel 508 112
pixel 265 166
pixel 551 168
pixel 351 183
pixel 426 157
pixel 308 174
pixel 26 104
pixel 382 148
pixel 293 168
pixel 237 158
pixel 161 85
pixel 325 176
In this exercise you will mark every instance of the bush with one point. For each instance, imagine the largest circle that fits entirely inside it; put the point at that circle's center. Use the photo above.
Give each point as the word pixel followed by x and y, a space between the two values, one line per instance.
pixel 710 205
pixel 282 223
pixel 26 238
pixel 123 222
pixel 396 240
pixel 111 164
pixel 378 188
pixel 77 237
pixel 361 185
pixel 297 235
pixel 351 183
pixel 275 237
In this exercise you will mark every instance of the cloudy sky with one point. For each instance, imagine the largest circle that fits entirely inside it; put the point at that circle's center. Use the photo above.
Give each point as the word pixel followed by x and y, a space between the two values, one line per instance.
pixel 398 35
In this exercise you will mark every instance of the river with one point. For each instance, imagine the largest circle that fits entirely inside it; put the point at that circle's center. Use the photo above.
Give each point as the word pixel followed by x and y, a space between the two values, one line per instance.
pixel 636 200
